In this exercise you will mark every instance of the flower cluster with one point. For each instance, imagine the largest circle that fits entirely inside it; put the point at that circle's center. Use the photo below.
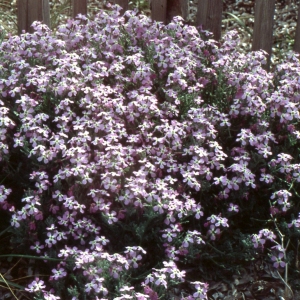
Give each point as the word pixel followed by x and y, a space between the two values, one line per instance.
pixel 137 145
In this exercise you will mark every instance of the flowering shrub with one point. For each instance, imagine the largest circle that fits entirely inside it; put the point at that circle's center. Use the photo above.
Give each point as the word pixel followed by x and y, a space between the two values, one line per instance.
pixel 137 157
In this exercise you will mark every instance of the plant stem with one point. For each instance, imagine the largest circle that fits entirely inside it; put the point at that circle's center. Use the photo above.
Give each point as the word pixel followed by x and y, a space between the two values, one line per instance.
pixel 3 231
pixel 32 257
pixel 9 286
pixel 287 287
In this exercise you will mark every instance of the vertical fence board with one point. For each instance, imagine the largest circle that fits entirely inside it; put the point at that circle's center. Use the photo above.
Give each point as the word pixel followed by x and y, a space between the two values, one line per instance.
pixel 123 4
pixel 40 11
pixel 22 8
pixel 30 11
pixel 209 15
pixel 159 10
pixel 297 35
pixel 185 9
pixel 177 8
pixel 46 13
pixel 79 7
pixel 263 26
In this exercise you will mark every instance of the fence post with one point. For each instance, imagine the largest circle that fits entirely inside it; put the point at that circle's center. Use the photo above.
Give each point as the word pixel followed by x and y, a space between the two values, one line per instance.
pixel 297 35
pixel 159 10
pixel 29 11
pixel 177 8
pixel 123 4
pixel 79 7
pixel 263 27
pixel 209 15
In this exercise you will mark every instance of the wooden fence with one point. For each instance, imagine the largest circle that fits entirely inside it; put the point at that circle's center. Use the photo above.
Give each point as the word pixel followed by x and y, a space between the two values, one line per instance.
pixel 209 15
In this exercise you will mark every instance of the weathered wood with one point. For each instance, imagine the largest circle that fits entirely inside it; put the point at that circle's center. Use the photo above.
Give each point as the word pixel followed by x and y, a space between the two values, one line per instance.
pixel 177 8
pixel 263 27
pixel 185 9
pixel 297 35
pixel 79 7
pixel 209 16
pixel 22 8
pixel 123 4
pixel 29 11
pixel 159 10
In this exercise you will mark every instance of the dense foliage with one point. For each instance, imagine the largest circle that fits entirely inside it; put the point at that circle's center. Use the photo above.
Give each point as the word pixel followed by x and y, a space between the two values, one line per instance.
pixel 137 157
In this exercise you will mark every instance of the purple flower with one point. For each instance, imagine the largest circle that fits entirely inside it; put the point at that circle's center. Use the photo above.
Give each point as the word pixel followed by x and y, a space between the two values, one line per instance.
pixel 257 240
pixel 268 234
pixel 126 288
pixel 233 207
pixel 201 289
pixel 49 295
pixel 58 273
pixel 51 240
pixel 36 286
pixel 160 279
pixel 278 260
pixel 15 221
pixel 213 232
pixel 37 247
